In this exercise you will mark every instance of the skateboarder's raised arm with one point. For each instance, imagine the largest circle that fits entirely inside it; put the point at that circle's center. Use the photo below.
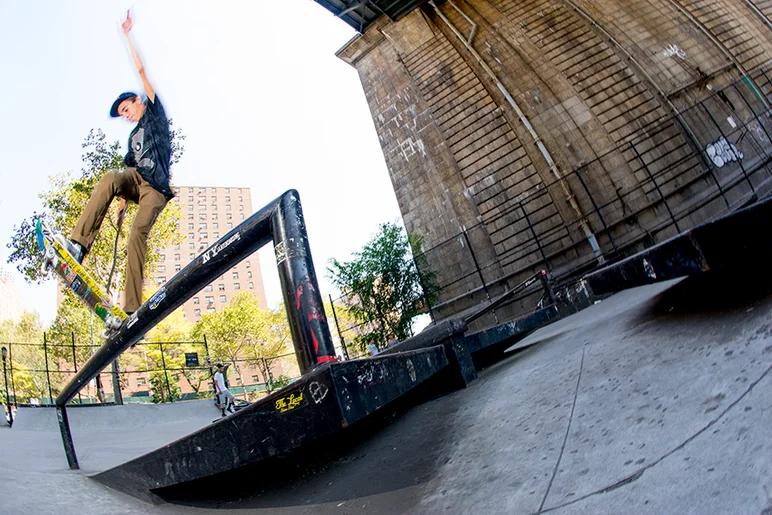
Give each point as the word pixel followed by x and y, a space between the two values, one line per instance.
pixel 126 27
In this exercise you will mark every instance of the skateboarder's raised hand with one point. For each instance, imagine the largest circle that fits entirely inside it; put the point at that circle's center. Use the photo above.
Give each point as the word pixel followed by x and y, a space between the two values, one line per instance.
pixel 126 27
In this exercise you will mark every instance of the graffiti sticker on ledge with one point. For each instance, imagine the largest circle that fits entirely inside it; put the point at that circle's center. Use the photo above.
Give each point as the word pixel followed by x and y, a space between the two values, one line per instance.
pixel 290 402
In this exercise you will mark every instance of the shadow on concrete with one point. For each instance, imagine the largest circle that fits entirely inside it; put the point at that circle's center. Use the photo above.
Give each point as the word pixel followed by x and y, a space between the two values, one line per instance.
pixel 398 447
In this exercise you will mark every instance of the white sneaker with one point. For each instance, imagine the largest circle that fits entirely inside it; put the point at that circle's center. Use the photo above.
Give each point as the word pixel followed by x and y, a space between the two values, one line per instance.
pixel 231 409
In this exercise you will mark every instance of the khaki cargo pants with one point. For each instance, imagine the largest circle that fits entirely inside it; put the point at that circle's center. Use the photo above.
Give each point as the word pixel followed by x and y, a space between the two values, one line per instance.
pixel 129 184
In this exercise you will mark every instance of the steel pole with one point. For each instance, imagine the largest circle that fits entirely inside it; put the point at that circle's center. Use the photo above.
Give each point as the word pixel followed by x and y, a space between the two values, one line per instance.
pixel 7 397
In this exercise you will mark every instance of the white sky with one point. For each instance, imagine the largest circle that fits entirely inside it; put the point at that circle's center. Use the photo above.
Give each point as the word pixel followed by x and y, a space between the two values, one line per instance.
pixel 254 85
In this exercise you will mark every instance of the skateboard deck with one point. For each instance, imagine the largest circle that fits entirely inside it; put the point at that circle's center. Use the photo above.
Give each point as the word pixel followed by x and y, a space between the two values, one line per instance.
pixel 57 256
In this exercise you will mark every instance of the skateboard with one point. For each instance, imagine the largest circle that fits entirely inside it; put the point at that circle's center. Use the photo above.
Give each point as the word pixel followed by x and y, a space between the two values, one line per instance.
pixel 57 256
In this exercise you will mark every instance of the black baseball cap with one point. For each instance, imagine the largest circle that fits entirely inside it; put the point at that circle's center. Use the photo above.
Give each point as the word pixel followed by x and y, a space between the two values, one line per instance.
pixel 121 98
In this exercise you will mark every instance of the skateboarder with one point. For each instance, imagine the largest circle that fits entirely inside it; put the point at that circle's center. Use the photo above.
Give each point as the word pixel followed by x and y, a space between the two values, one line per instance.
pixel 223 394
pixel 144 179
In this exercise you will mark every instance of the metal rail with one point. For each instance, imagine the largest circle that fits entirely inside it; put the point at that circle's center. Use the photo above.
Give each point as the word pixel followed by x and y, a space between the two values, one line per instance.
pixel 282 222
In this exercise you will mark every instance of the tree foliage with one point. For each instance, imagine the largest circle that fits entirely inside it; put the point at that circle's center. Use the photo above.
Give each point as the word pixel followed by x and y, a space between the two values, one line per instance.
pixel 382 286
pixel 244 331
pixel 26 359
pixel 64 201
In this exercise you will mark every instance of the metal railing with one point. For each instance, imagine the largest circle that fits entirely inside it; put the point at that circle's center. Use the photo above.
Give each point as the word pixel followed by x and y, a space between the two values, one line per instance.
pixel 149 372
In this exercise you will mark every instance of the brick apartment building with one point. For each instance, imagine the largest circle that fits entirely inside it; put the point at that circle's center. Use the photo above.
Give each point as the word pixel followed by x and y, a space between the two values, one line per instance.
pixel 207 214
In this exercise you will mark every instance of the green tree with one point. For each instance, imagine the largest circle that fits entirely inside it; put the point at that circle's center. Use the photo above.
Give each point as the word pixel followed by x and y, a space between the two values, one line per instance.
pixel 172 338
pixel 24 339
pixel 65 199
pixel 243 331
pixel 346 323
pixel 383 286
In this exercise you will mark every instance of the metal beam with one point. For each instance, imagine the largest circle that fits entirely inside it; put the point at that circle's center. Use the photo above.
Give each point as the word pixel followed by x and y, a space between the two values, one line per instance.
pixel 280 221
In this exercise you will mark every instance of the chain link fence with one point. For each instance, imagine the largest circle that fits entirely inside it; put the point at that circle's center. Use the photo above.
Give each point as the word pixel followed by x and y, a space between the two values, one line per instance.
pixel 148 372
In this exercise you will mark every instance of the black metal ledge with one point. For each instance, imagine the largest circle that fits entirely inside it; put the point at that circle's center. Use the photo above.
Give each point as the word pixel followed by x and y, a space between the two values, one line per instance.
pixel 741 240
pixel 323 401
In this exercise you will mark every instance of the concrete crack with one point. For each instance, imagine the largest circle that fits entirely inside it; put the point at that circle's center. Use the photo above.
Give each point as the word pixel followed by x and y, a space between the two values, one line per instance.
pixel 568 431
pixel 637 475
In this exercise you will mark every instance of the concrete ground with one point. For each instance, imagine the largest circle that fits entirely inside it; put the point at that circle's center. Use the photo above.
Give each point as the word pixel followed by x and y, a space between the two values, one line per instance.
pixel 657 400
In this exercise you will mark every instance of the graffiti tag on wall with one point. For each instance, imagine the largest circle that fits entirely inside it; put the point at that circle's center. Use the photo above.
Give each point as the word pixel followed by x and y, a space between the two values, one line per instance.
pixel 722 152
pixel 674 51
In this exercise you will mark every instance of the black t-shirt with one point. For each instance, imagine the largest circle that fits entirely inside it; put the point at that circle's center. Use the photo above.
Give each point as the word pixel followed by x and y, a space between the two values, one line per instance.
pixel 150 147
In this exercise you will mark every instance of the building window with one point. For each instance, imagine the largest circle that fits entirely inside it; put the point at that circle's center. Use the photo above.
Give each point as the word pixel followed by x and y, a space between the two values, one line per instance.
pixel 209 299
pixel 190 216
pixel 161 279
pixel 190 198
pixel 235 275
pixel 195 300
pixel 239 191
pixel 177 246
pixel 176 257
pixel 241 208
pixel 251 285
pixel 215 235
pixel 190 225
pixel 241 199
pixel 202 216
pixel 177 267
pixel 202 236
pixel 227 190
pixel 227 198
pixel 248 264
pixel 190 190
pixel 210 310
pixel 197 312
pixel 214 216
pixel 162 256
pixel 221 287
pixel 214 199
pixel 190 207
pixel 191 256
pixel 202 245
pixel 230 225
pixel 202 207
pixel 215 225
pixel 141 381
pixel 190 236
pixel 162 268
pixel 222 298
pixel 202 226
pixel 213 190
pixel 236 286
pixel 214 207
pixel 228 216
pixel 208 287
pixel 191 246
pixel 249 274
pixel 241 216
pixel 202 190
pixel 255 379
pixel 227 207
